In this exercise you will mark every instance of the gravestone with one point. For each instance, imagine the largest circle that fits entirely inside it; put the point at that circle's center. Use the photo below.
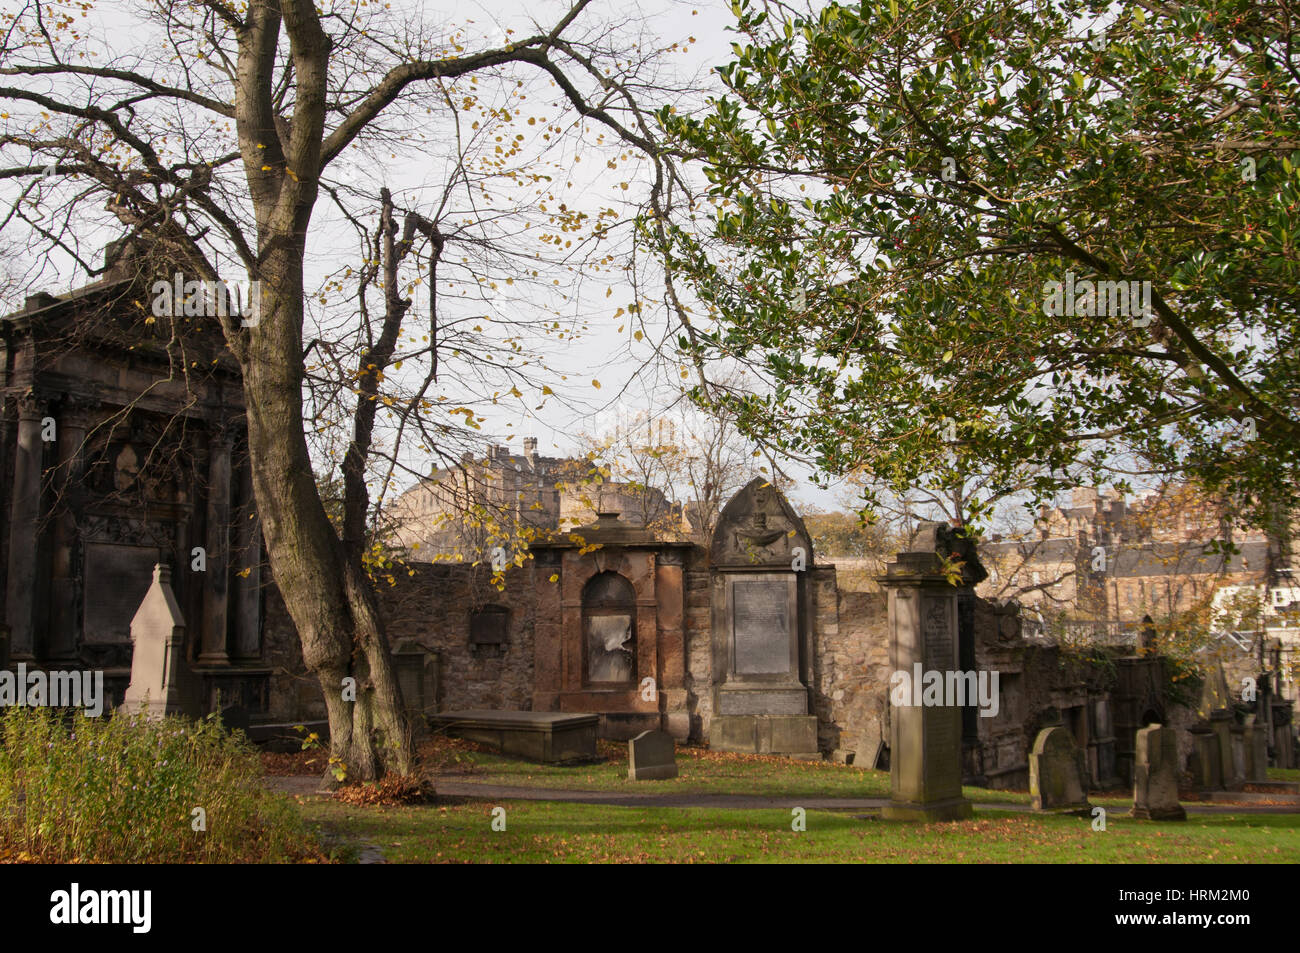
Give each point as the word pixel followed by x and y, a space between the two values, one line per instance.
pixel 925 741
pixel 1228 742
pixel 1155 782
pixel 1214 693
pixel 1057 776
pixel 760 557
pixel 651 756
pixel 158 642
pixel 1206 765
pixel 1256 744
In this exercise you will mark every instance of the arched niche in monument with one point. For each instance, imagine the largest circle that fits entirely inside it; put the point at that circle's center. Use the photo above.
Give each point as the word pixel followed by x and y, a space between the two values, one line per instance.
pixel 608 626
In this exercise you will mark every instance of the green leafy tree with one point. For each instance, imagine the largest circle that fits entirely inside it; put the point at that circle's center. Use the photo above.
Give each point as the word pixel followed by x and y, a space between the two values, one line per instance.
pixel 897 187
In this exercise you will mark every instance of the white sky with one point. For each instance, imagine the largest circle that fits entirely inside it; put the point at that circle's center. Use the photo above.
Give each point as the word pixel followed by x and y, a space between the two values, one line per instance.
pixel 603 351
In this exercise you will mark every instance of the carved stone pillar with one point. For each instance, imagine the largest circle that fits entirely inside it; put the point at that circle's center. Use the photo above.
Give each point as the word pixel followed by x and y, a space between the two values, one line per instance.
pixel 247 601
pixel 24 523
pixel 73 422
pixel 215 580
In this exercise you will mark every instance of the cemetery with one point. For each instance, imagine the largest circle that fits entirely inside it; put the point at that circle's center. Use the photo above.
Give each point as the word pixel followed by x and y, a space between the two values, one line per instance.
pixel 612 645
pixel 650 647
pixel 275 585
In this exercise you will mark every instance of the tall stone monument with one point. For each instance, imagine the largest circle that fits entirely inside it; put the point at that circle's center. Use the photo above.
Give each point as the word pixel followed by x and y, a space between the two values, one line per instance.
pixel 158 634
pixel 925 740
pixel 761 555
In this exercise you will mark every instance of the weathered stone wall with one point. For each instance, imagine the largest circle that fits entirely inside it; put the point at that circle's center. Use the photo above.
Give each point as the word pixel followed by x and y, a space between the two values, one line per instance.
pixel 295 694
pixel 851 686
pixel 851 670
pixel 431 607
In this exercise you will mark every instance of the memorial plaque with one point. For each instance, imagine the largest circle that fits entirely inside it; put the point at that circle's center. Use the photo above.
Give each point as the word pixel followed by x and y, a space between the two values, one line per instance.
pixel 936 634
pixel 489 625
pixel 117 578
pixel 762 626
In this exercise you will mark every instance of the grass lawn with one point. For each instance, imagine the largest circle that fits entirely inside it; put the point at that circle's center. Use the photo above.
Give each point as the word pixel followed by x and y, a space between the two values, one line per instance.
pixel 700 771
pixel 550 832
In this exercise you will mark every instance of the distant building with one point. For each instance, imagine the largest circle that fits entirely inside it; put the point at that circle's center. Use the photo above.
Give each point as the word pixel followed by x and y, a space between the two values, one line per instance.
pixel 1100 566
pixel 455 510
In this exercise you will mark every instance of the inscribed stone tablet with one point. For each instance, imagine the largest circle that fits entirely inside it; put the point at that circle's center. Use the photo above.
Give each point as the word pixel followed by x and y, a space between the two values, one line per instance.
pixel 117 578
pixel 762 626
pixel 936 631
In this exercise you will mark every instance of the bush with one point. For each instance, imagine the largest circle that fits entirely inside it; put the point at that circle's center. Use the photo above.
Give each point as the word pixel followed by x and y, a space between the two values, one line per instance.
pixel 123 789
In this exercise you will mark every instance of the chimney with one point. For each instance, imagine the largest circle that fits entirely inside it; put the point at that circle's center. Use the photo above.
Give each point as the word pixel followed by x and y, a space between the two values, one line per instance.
pixel 530 451
pixel 1083 497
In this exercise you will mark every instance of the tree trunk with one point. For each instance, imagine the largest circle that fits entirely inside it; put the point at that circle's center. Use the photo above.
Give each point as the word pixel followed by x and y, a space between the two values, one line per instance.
pixel 330 601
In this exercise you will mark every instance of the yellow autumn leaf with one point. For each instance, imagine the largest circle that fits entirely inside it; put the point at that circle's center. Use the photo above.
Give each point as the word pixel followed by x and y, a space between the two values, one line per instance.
pixel 595 383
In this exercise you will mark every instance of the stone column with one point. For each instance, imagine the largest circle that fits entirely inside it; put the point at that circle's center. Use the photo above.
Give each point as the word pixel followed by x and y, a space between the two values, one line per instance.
pixel 247 601
pixel 670 592
pixel 73 422
pixel 924 740
pixel 215 580
pixel 24 520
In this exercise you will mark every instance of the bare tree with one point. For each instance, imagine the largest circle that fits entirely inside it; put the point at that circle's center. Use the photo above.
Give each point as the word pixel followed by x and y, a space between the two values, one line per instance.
pixel 212 142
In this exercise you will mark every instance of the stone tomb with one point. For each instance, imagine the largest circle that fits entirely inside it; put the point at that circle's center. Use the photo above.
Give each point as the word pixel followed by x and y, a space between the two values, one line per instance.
pixel 1155 783
pixel 651 756
pixel 925 741
pixel 762 657
pixel 543 736
pixel 1057 774
pixel 610 637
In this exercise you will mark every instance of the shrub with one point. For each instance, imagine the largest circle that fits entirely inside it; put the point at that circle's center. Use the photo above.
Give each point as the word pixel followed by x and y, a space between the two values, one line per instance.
pixel 124 789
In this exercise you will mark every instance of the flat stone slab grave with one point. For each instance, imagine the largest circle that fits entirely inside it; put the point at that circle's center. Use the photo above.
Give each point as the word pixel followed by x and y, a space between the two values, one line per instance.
pixel 549 737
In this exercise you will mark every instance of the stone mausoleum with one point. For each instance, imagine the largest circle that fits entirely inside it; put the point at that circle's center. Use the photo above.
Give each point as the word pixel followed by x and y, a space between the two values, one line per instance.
pixel 122 445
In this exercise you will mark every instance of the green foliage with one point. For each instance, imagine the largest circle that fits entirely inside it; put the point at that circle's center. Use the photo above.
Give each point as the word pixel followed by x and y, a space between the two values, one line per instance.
pixel 124 790
pixel 896 183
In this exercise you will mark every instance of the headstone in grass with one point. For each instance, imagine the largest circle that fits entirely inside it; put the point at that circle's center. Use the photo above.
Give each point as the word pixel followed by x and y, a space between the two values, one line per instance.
pixel 651 757
pixel 1057 775
pixel 1256 736
pixel 158 638
pixel 1155 776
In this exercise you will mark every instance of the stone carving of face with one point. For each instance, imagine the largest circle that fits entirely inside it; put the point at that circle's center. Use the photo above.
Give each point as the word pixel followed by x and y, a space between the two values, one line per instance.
pixel 126 468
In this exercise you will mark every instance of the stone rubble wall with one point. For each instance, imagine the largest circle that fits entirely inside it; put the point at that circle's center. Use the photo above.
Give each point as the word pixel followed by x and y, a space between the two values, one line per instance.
pixel 432 608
